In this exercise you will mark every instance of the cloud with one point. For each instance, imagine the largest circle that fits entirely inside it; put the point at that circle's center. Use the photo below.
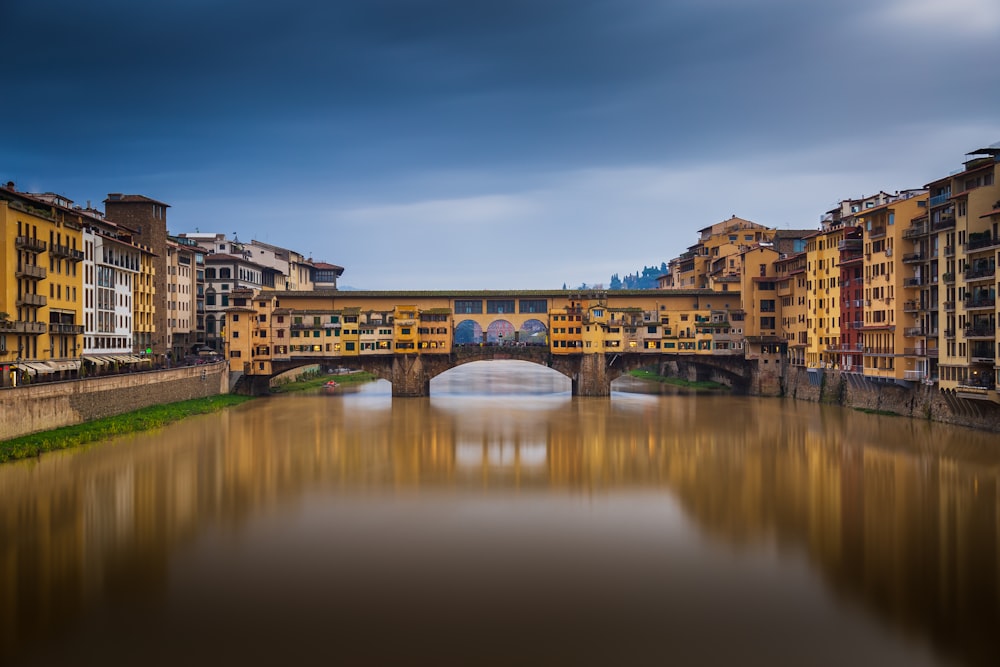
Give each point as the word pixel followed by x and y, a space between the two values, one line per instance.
pixel 971 18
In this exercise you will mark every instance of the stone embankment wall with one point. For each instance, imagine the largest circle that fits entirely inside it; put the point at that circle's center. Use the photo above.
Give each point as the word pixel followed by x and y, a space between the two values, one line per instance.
pixel 45 406
pixel 918 401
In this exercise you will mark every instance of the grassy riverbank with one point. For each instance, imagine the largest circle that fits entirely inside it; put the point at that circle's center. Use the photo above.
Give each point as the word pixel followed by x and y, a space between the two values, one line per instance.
pixel 315 380
pixel 650 376
pixel 109 427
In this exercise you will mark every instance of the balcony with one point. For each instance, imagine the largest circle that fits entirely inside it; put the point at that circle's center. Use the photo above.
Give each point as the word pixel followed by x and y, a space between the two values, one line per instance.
pixel 981 243
pixel 30 271
pixel 937 200
pixel 980 331
pixel 914 282
pixel 980 273
pixel 913 257
pixel 66 252
pixel 915 331
pixel 942 224
pixel 915 231
pixel 31 300
pixel 17 326
pixel 876 232
pixel 948 277
pixel 911 307
pixel 949 251
pixel 949 305
pixel 30 244
pixel 914 376
pixel 66 329
pixel 949 333
pixel 979 302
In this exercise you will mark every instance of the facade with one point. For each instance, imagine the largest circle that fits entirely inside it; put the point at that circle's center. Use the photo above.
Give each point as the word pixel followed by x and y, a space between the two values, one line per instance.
pixel 116 269
pixel 964 215
pixel 41 286
pixel 182 305
pixel 886 286
pixel 225 274
pixel 148 219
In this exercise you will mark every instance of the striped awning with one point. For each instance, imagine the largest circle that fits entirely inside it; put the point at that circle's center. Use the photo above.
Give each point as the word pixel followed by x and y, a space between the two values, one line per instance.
pixel 64 364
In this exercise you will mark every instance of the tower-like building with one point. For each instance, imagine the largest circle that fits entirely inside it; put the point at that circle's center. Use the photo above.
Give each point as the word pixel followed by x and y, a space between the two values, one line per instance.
pixel 148 218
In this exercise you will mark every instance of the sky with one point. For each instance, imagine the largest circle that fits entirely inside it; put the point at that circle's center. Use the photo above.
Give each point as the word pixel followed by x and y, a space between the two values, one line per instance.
pixel 512 144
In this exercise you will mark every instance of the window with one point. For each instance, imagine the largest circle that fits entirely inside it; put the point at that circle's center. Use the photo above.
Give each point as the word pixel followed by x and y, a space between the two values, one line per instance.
pixel 533 306
pixel 469 307
pixel 498 306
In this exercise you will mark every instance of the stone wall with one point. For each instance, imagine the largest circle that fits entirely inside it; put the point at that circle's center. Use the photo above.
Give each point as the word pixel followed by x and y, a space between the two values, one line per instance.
pixel 918 402
pixel 45 406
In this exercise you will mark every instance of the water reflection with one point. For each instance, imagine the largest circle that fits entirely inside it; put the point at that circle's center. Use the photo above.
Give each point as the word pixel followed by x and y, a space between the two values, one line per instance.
pixel 500 528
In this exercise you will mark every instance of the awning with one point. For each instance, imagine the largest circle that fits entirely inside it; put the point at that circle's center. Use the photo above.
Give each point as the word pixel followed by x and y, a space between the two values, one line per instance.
pixel 98 361
pixel 64 365
pixel 25 368
pixel 39 367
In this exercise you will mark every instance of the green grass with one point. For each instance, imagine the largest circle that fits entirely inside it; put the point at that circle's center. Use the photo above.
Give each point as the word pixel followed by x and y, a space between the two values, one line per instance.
pixel 145 419
pixel 643 374
pixel 312 381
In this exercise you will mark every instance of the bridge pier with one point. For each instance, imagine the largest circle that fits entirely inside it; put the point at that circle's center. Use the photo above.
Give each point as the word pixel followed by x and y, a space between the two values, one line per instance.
pixel 409 377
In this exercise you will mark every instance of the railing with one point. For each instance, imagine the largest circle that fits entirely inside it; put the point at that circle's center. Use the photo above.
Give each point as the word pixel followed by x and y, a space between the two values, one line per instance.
pixel 911 307
pixel 915 331
pixel 944 223
pixel 65 251
pixel 30 271
pixel 913 257
pixel 914 231
pixel 937 200
pixel 980 243
pixel 980 332
pixel 72 329
pixel 29 243
pixel 879 350
pixel 949 251
pixel 949 305
pixel 914 376
pixel 977 274
pixel 31 300
pixel 876 233
pixel 980 302
pixel 949 333
pixel 948 277
pixel 18 326
pixel 913 282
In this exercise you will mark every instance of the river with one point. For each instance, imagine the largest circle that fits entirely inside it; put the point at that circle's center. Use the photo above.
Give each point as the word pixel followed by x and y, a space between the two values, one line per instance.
pixel 502 521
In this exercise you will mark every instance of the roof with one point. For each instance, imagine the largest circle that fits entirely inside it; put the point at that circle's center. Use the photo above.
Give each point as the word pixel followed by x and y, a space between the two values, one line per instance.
pixel 119 197
pixel 326 266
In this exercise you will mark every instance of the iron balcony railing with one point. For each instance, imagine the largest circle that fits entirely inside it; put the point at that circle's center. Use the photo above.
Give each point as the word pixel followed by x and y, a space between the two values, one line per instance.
pixel 29 243
pixel 30 271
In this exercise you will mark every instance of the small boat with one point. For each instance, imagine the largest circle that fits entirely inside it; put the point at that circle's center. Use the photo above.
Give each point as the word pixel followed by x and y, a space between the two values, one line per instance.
pixel 332 384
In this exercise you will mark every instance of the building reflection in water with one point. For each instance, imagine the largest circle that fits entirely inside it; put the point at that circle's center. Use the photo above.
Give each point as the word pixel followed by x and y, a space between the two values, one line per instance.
pixel 899 518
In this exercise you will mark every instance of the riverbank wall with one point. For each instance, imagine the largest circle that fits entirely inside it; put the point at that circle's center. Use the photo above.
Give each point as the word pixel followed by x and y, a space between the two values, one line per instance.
pixel 42 407
pixel 919 401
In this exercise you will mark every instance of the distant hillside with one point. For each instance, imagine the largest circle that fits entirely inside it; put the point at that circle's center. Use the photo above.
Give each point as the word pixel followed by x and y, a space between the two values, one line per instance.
pixel 644 280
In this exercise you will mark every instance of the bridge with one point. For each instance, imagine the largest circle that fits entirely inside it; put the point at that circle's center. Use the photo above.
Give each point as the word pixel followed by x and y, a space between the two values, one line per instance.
pixel 409 338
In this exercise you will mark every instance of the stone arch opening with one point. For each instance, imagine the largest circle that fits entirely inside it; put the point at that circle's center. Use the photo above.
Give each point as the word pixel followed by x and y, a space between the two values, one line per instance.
pixel 468 332
pixel 534 332
pixel 500 331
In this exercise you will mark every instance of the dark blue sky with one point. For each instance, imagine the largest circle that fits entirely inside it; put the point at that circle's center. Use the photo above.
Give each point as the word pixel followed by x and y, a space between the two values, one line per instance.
pixel 515 144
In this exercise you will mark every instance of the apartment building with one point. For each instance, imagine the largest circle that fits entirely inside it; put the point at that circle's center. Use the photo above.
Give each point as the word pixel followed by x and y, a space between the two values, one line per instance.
pixel 118 294
pixel 41 285
pixel 225 274
pixel 964 216
pixel 182 303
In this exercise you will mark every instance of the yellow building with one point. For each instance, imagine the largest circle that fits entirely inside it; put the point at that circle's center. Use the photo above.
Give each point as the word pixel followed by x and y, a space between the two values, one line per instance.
pixel 41 286
pixel 714 261
pixel 964 221
pixel 887 287
pixel 793 297
pixel 823 278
